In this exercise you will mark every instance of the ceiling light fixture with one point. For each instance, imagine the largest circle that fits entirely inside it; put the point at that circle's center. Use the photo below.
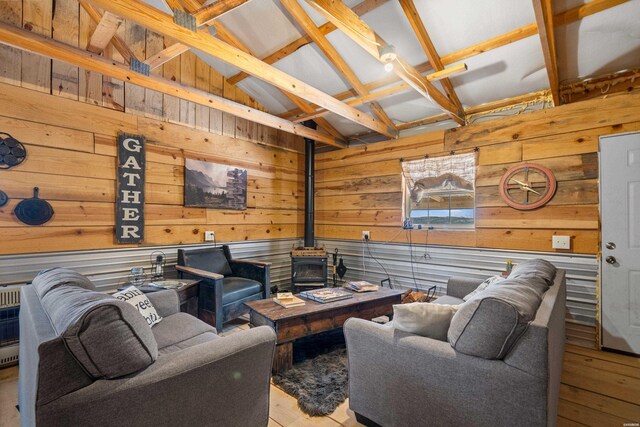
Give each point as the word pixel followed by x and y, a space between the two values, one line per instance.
pixel 387 56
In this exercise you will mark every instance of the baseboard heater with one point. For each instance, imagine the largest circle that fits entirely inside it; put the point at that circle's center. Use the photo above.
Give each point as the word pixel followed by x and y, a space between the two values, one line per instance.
pixel 9 324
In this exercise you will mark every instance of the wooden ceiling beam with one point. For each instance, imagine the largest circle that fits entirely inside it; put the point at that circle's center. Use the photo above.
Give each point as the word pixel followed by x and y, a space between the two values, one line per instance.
pixel 355 102
pixel 223 33
pixel 371 86
pixel 297 116
pixel 320 121
pixel 116 41
pixel 209 13
pixel 544 19
pixel 166 55
pixel 429 49
pixel 345 19
pixel 563 18
pixel 104 32
pixel 422 122
pixel 29 41
pixel 155 20
pixel 483 108
pixel 507 102
pixel 307 24
pixel 327 28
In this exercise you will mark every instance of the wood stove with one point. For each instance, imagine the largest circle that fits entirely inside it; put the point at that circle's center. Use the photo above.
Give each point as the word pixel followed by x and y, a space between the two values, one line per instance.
pixel 309 267
pixel 309 263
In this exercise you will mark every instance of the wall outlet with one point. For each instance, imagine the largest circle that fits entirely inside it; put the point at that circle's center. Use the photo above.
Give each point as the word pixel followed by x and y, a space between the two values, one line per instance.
pixel 366 235
pixel 561 242
pixel 209 236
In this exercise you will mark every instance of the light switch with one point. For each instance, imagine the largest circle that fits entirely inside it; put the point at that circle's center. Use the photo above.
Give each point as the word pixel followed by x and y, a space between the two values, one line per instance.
pixel 561 242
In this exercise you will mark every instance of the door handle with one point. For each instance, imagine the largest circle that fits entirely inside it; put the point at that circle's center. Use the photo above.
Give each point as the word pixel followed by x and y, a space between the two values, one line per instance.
pixel 611 259
pixel 610 245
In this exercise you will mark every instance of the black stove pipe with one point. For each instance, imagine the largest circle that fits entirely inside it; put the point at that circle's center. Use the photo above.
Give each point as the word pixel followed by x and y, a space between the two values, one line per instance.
pixel 309 187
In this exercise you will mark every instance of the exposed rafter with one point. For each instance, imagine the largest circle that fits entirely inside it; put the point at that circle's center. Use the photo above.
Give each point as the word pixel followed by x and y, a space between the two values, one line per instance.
pixel 422 122
pixel 307 24
pixel 544 18
pixel 563 18
pixel 160 22
pixel 104 32
pixel 29 41
pixel 210 12
pixel 325 29
pixel 373 96
pixel 429 49
pixel 116 41
pixel 166 55
pixel 541 96
pixel 223 33
pixel 354 27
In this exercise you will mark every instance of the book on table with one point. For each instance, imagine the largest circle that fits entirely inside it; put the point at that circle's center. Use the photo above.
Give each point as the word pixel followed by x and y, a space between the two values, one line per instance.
pixel 326 295
pixel 289 302
pixel 361 286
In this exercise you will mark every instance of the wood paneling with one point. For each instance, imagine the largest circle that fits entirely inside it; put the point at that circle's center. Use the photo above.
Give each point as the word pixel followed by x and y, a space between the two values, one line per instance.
pixel 579 116
pixel 359 188
pixel 36 70
pixel 67 22
pixel 71 157
pixel 10 57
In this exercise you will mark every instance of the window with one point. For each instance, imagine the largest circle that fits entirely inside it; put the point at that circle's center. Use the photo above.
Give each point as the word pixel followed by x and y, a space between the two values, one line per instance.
pixel 440 192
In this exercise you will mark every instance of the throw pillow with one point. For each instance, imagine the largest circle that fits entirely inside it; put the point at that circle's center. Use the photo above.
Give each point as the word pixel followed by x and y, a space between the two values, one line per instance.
pixel 482 286
pixel 488 325
pixel 424 319
pixel 139 300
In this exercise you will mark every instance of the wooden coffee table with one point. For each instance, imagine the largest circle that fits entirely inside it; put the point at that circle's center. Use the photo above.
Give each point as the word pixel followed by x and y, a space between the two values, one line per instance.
pixel 313 317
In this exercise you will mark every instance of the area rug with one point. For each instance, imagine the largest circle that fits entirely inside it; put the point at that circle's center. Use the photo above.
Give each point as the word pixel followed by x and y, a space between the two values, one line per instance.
pixel 319 384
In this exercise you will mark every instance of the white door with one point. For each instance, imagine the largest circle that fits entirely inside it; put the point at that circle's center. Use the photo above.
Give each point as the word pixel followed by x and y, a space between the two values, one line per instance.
pixel 620 211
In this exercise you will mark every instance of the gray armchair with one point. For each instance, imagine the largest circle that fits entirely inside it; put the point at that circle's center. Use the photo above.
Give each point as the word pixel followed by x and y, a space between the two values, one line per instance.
pixel 225 284
pixel 400 379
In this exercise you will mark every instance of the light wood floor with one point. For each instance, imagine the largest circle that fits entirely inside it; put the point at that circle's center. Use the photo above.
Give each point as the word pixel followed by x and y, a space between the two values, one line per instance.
pixel 598 389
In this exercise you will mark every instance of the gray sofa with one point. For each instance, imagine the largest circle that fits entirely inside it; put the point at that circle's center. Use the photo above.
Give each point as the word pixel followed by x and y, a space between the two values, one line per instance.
pixel 87 358
pixel 400 379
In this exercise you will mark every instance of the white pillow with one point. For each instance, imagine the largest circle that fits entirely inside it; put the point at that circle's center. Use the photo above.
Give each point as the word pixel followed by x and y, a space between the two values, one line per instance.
pixel 139 300
pixel 484 285
pixel 424 319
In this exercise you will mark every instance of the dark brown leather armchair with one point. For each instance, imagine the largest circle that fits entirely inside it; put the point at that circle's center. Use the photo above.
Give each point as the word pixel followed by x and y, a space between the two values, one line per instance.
pixel 225 284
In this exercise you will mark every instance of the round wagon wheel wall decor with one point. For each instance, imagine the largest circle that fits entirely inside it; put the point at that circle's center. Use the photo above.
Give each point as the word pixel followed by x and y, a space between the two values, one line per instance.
pixel 527 186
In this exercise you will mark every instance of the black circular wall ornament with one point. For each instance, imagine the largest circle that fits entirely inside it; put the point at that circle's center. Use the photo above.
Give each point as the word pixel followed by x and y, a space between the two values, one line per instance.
pixel 12 152
pixel 34 211
pixel 3 198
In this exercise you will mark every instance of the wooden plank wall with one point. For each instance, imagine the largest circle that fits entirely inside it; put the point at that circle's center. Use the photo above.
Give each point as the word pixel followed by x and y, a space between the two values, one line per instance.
pixel 359 188
pixel 71 149
pixel 68 22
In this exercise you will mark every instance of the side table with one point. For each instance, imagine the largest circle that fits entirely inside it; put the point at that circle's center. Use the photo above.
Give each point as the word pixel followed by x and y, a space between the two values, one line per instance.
pixel 187 293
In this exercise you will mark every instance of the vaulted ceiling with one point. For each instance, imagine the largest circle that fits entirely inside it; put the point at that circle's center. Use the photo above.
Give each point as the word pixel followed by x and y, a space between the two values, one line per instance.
pixel 324 59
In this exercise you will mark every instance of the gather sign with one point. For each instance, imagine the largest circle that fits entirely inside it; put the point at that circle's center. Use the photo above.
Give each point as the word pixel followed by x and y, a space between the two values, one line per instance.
pixel 130 194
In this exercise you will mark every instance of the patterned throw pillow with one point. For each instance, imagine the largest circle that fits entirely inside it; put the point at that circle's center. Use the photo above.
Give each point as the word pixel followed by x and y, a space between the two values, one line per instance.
pixel 139 300
pixel 482 286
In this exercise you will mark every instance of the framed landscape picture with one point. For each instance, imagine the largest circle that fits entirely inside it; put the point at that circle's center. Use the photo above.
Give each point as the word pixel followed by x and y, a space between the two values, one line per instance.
pixel 213 185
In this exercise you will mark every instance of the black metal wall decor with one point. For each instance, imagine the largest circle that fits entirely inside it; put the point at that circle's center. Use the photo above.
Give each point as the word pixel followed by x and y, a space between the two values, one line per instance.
pixel 3 198
pixel 12 152
pixel 130 194
pixel 34 211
